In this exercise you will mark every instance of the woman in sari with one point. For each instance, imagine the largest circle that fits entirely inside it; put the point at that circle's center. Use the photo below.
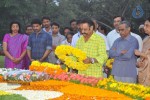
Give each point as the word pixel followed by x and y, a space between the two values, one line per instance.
pixel 14 47
pixel 144 61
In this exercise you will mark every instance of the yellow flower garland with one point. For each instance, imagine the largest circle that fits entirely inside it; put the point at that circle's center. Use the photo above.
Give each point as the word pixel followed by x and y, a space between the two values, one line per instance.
pixel 134 90
pixel 45 64
pixel 45 67
pixel 72 57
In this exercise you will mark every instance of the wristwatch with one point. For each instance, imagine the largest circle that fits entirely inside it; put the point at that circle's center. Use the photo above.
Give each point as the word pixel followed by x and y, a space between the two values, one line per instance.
pixel 92 60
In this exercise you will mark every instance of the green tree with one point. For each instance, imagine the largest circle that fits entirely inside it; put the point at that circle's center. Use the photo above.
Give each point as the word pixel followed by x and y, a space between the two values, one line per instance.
pixel 62 11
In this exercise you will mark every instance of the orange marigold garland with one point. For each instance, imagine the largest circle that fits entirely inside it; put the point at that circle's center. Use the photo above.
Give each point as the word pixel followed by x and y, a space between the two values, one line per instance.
pixel 74 91
pixel 46 67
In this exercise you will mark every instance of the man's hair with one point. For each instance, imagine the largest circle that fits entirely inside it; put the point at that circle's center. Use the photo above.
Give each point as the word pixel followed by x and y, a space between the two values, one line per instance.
pixel 46 17
pixel 73 20
pixel 67 28
pixel 89 22
pixel 36 21
pixel 55 24
pixel 28 26
pixel 102 27
pixel 122 18
pixel 70 33
pixel 126 23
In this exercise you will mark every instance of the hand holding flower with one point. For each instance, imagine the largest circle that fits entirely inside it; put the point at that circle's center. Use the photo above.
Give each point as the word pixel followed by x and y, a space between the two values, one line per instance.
pixel 87 60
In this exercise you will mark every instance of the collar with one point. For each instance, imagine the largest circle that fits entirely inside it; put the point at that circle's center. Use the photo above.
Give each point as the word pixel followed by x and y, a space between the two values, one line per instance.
pixel 79 34
pixel 39 32
pixel 116 31
pixel 44 29
pixel 97 31
pixel 93 36
pixel 128 37
pixel 58 34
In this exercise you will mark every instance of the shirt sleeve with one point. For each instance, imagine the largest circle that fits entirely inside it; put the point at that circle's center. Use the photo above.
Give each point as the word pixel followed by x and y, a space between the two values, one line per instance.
pixel 130 52
pixel 49 42
pixel 140 42
pixel 63 42
pixel 62 38
pixel 6 38
pixel 105 39
pixel 113 50
pixel 102 57
pixel 73 42
pixel 29 43
pixel 108 40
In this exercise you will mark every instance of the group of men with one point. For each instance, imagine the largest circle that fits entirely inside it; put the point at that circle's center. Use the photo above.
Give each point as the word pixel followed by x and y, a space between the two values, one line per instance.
pixel 119 44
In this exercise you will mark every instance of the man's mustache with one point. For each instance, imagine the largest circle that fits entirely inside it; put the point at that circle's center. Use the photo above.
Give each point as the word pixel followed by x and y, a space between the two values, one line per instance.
pixel 83 33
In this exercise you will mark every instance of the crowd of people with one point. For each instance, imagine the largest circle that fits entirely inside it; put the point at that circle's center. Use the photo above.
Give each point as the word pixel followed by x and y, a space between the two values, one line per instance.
pixel 131 55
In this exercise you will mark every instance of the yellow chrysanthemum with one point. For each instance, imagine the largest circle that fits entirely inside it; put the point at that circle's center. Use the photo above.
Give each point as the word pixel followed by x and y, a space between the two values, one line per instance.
pixel 109 63
pixel 36 63
pixel 134 90
pixel 45 65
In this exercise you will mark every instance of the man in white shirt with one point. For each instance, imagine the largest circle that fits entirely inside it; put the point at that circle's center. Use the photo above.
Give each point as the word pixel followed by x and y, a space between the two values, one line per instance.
pixel 114 34
pixel 77 35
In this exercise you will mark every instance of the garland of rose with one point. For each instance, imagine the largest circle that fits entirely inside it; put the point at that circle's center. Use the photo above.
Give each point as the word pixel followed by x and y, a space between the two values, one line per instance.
pixel 72 57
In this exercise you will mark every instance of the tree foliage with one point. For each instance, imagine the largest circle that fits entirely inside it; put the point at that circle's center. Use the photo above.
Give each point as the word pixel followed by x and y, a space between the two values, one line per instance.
pixel 101 10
